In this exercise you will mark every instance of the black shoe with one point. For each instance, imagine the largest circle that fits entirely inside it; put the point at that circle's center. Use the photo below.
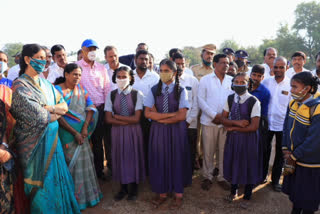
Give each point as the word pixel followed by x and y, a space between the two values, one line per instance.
pixel 120 195
pixel 215 172
pixel 277 187
pixel 133 192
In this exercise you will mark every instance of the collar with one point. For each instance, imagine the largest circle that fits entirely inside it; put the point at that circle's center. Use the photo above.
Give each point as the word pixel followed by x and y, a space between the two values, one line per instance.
pixel 243 96
pixel 171 85
pixel 125 91
pixel 85 64
pixel 148 73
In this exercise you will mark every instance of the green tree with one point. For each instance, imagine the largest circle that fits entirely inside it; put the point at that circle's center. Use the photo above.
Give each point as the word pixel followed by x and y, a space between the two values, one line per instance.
pixel 307 26
pixel 229 43
pixel 192 55
pixel 11 49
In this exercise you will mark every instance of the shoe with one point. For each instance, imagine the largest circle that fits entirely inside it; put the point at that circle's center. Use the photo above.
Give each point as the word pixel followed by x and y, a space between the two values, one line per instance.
pixel 176 203
pixel 277 187
pixel 131 198
pixel 120 195
pixel 225 185
pixel 133 192
pixel 230 198
pixel 102 176
pixel 215 172
pixel 244 204
pixel 206 184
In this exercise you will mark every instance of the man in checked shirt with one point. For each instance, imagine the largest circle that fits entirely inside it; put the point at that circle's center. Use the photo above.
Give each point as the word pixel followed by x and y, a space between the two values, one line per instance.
pixel 95 79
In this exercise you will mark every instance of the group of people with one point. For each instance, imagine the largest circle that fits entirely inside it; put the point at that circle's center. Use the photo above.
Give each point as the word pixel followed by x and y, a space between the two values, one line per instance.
pixel 60 120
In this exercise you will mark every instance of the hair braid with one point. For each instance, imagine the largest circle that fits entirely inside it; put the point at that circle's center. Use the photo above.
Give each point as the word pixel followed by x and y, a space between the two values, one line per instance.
pixel 177 85
pixel 159 88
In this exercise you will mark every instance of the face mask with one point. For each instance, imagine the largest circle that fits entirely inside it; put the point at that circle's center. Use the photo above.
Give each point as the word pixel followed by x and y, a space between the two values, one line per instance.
pixel 16 61
pixel 239 63
pixel 299 96
pixel 166 76
pixel 239 89
pixel 38 65
pixel 3 67
pixel 206 63
pixel 122 83
pixel 92 55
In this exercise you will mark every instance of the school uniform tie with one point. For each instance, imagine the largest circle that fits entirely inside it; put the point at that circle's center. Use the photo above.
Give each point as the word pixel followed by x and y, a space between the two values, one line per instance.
pixel 124 106
pixel 237 109
pixel 165 100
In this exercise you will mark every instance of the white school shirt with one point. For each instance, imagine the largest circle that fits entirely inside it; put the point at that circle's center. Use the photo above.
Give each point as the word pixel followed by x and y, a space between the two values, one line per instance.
pixel 280 97
pixel 291 72
pixel 145 83
pixel 256 108
pixel 212 96
pixel 191 84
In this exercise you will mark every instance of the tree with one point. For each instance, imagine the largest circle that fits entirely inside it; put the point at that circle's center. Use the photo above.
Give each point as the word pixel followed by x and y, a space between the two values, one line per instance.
pixel 192 55
pixel 230 43
pixel 307 26
pixel 11 49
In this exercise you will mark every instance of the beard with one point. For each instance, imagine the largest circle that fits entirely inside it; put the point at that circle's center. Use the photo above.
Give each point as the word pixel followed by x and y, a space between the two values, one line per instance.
pixel 143 68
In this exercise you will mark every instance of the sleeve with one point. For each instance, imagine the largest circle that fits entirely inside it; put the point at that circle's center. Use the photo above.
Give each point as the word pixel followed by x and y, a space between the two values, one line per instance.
pixel 3 117
pixel 286 132
pixel 149 100
pixel 107 84
pixel 256 109
pixel 139 104
pixel 108 103
pixel 183 102
pixel 310 147
pixel 226 106
pixel 194 109
pixel 203 105
pixel 89 104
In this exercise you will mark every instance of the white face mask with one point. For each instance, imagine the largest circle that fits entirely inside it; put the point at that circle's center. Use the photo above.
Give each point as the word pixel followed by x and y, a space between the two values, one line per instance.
pixel 122 83
pixel 92 55
pixel 3 67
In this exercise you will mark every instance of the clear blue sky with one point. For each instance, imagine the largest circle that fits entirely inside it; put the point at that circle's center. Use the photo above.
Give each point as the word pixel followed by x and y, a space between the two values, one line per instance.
pixel 162 24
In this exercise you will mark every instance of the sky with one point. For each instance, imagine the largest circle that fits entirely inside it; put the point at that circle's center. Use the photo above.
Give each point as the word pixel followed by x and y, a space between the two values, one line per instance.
pixel 162 24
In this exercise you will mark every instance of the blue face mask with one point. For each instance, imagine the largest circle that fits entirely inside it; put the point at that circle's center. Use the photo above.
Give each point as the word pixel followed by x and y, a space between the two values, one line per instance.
pixel 206 63
pixel 38 65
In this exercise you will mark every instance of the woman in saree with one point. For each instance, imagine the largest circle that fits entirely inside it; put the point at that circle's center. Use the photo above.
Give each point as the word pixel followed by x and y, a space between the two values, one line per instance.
pixel 36 106
pixel 6 182
pixel 76 127
pixel 21 202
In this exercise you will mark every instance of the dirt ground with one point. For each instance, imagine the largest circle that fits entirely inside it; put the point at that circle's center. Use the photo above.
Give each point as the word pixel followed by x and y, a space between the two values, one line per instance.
pixel 264 201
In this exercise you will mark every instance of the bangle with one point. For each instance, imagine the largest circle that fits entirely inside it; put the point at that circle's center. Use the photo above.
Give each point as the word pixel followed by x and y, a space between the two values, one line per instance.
pixel 53 109
pixel 5 145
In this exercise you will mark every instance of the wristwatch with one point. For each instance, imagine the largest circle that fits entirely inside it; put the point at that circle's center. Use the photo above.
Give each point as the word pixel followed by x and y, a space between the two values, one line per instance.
pixel 5 145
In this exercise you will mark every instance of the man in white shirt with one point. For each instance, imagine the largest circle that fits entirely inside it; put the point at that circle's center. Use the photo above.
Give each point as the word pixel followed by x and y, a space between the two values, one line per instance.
pixel 13 72
pixel 298 60
pixel 316 71
pixel 269 55
pixel 59 56
pixel 214 90
pixel 112 59
pixel 144 80
pixel 279 87
pixel 191 84
pixel 48 74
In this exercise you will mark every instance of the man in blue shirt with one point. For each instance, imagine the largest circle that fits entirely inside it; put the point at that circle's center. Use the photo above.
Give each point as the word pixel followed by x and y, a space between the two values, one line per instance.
pixel 263 95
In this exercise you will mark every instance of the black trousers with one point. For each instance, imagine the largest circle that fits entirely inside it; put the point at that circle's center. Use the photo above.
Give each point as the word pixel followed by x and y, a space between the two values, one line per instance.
pixel 192 138
pixel 247 190
pixel 96 138
pixel 278 160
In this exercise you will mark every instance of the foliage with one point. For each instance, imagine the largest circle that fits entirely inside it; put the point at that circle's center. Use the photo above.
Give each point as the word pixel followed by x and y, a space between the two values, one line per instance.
pixel 11 49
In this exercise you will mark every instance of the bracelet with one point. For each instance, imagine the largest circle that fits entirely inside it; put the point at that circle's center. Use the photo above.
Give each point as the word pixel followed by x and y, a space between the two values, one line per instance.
pixel 53 109
pixel 5 145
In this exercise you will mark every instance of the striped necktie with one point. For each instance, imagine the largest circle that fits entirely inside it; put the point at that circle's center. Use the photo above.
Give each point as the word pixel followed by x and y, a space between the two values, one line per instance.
pixel 124 105
pixel 237 109
pixel 165 100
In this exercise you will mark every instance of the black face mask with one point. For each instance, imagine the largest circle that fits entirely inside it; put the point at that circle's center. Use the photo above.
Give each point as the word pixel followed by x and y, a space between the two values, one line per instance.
pixel 239 89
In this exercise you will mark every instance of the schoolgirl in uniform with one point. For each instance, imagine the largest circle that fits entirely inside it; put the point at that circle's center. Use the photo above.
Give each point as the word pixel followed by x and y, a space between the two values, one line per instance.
pixel 169 153
pixel 123 110
pixel 301 145
pixel 242 157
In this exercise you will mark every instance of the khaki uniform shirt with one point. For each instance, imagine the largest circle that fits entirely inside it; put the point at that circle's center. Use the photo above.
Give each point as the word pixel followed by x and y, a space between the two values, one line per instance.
pixel 200 70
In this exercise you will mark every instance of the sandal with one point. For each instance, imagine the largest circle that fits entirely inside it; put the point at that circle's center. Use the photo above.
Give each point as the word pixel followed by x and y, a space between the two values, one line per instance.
pixel 230 198
pixel 176 203
pixel 158 201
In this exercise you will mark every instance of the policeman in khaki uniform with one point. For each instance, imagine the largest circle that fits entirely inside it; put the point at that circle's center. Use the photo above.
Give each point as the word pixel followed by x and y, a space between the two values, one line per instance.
pixel 207 54
pixel 241 58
